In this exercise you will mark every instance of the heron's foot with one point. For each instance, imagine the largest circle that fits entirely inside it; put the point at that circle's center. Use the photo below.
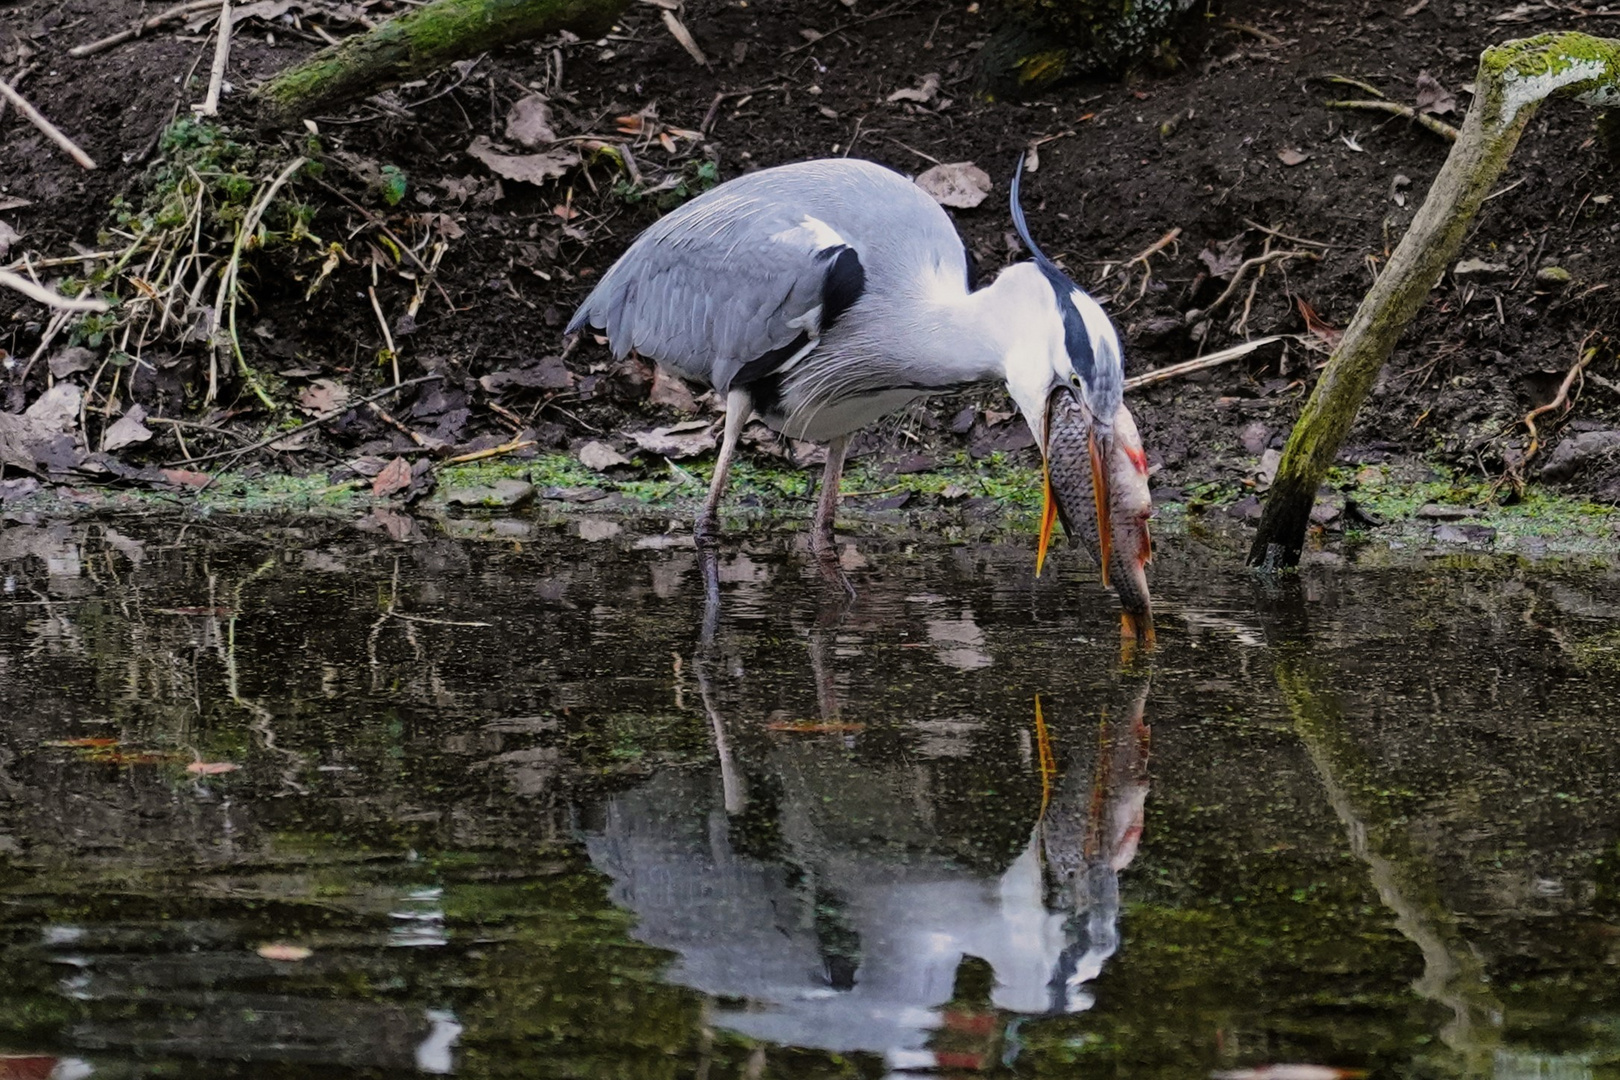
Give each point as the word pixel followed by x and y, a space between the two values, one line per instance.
pixel 832 571
pixel 709 566
pixel 706 531
pixel 823 544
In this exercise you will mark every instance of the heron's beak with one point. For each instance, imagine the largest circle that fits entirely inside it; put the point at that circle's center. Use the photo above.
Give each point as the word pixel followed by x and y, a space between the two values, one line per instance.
pixel 1049 512
pixel 1102 492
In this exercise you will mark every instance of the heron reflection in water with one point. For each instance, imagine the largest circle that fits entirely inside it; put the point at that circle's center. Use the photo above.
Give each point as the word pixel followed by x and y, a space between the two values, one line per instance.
pixel 815 885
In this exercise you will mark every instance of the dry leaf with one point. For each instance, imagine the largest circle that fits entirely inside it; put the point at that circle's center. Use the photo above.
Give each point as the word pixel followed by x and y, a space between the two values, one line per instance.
pixel 670 391
pixel 57 408
pixel 1291 157
pixel 1329 335
pixel 599 456
pixel 528 168
pixel 187 478
pixel 263 9
pixel 395 476
pixel 20 437
pixel 283 952
pixel 211 768
pixel 926 91
pixel 528 122
pixel 127 431
pixel 1432 97
pixel 8 236
pixel 673 444
pixel 323 396
pixel 961 184
pixel 71 360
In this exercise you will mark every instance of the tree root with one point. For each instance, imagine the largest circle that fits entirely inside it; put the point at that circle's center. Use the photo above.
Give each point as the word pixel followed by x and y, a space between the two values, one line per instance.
pixel 1395 108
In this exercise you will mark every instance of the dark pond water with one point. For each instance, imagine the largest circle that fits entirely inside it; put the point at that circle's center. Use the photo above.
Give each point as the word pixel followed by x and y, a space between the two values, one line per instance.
pixel 526 823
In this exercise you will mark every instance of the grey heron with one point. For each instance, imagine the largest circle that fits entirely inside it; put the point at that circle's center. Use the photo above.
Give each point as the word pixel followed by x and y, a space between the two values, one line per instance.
pixel 826 294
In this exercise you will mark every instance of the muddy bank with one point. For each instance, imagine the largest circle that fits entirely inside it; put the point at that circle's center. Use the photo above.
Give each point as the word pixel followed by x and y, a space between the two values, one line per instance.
pixel 402 251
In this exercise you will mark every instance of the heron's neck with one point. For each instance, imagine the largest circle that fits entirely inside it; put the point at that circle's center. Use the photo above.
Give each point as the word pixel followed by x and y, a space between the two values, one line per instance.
pixel 949 336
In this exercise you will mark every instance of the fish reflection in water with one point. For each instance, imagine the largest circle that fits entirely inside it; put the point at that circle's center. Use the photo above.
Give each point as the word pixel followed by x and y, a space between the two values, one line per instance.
pixel 807 886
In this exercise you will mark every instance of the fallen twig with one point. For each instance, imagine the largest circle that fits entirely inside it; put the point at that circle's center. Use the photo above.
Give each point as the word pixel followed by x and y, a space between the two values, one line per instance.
pixel 61 260
pixel 726 95
pixel 179 11
pixel 388 418
pixel 222 56
pixel 329 415
pixel 1252 31
pixel 51 131
pixel 493 451
pixel 1251 223
pixel 1237 278
pixel 1202 363
pixel 1439 127
pixel 225 301
pixel 1584 356
pixel 388 338
pixel 684 36
pixel 404 248
pixel 1345 80
pixel 46 296
pixel 888 12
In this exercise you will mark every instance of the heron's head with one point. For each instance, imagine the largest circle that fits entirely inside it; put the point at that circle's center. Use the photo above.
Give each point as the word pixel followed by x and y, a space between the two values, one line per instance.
pixel 1081 355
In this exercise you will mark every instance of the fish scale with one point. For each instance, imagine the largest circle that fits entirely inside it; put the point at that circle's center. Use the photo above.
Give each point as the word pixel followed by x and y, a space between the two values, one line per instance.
pixel 1069 471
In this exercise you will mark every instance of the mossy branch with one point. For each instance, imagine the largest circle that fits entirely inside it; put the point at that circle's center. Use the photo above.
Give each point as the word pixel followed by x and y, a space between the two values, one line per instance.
pixel 420 41
pixel 1513 80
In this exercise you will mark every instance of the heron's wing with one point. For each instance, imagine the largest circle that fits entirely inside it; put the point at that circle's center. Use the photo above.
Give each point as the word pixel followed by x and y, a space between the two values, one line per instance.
pixel 727 289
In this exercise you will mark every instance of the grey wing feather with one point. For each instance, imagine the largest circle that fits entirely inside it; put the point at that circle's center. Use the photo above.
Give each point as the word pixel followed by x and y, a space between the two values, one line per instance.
pixel 726 279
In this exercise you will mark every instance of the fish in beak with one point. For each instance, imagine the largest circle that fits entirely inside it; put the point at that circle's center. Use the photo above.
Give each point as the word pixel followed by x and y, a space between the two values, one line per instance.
pixel 1096 484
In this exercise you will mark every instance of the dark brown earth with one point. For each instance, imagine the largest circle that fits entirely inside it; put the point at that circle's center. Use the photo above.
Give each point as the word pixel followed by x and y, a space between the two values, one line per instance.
pixel 1201 149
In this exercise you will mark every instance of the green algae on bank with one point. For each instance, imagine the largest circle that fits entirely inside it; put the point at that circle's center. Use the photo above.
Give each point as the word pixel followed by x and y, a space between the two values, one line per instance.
pixel 960 492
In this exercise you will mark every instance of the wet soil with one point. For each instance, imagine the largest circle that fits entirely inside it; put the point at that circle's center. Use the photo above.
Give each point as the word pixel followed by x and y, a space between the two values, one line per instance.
pixel 1234 147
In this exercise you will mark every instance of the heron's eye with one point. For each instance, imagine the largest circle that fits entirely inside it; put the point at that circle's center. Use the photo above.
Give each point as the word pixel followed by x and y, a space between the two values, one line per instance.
pixel 1074 380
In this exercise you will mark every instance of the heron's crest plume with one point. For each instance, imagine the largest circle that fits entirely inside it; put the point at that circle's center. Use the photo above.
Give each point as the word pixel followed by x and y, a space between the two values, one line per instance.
pixel 1020 223
pixel 1089 336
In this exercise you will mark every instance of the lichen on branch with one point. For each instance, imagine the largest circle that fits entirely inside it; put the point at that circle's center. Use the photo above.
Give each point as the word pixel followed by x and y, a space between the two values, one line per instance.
pixel 420 41
pixel 1514 78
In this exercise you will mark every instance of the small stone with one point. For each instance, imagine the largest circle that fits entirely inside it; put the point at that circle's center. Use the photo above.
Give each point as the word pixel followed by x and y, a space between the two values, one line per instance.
pixel 1441 512
pixel 577 495
pixel 502 494
pixel 1478 268
pixel 1245 509
pixel 1465 534
pixel 1573 454
pixel 599 456
pixel 1552 277
pixel 1255 437
pixel 1268 468
pixel 914 463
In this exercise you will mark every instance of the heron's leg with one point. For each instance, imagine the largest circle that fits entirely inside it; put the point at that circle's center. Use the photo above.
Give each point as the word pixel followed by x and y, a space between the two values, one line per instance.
pixel 739 404
pixel 821 531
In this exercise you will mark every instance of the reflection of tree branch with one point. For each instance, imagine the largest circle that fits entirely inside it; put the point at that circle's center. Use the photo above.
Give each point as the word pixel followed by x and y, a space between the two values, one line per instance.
pixel 1405 879
pixel 263 717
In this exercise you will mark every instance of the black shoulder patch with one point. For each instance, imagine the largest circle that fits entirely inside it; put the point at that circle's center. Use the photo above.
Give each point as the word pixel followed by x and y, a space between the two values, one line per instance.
pixel 972 268
pixel 1076 338
pixel 766 364
pixel 843 285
